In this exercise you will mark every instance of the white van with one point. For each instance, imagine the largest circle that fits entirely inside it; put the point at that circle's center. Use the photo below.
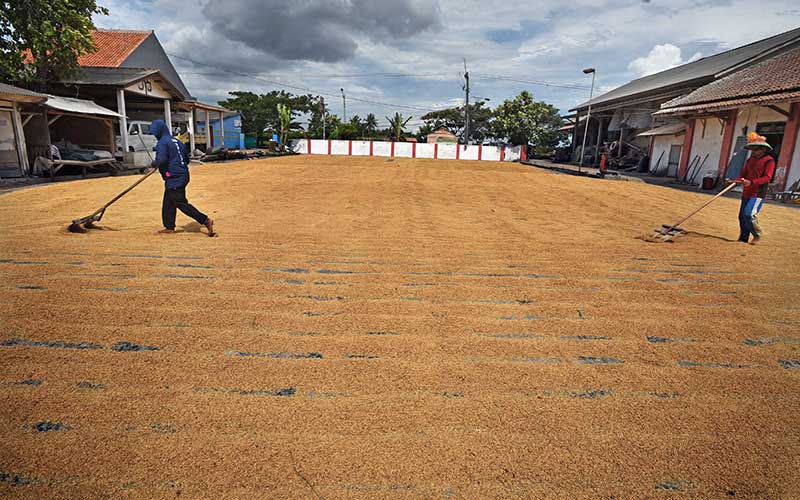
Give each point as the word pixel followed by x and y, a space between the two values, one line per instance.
pixel 138 132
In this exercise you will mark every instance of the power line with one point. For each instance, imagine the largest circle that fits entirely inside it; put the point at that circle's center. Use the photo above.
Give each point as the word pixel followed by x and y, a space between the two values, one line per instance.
pixel 532 82
pixel 298 87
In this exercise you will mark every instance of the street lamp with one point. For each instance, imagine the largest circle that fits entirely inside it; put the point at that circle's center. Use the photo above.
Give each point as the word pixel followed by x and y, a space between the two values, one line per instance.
pixel 588 115
pixel 344 106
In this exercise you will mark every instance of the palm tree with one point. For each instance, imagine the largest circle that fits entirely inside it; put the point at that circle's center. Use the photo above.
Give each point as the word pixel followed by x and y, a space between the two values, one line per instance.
pixel 359 125
pixel 397 124
pixel 371 124
pixel 284 123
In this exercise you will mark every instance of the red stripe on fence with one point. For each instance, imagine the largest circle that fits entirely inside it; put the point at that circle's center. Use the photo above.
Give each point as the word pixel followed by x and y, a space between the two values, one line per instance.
pixel 349 148
pixel 413 149
pixel 458 151
pixel 309 146
pixel 370 148
pixel 523 153
pixel 503 153
pixel 436 151
pixel 330 142
pixel 392 155
pixel 480 152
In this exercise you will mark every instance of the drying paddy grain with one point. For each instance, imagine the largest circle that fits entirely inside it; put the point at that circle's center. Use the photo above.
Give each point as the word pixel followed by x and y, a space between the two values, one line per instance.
pixel 372 328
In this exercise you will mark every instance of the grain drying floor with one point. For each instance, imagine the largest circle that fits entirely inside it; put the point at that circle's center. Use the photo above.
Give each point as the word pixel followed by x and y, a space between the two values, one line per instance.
pixel 366 328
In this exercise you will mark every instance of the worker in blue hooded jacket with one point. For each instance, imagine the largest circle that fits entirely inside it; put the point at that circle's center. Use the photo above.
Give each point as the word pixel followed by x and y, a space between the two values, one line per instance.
pixel 172 161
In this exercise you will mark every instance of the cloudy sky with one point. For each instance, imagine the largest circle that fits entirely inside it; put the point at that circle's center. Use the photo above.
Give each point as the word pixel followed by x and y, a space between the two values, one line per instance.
pixel 408 55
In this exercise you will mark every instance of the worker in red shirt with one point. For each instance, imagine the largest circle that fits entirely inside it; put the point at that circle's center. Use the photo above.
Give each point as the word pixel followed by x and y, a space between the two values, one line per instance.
pixel 755 179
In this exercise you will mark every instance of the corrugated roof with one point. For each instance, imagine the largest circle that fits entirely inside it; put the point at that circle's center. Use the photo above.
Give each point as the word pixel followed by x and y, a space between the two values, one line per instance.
pixel 12 93
pixel 110 76
pixel 697 72
pixel 79 106
pixel 670 129
pixel 775 75
pixel 113 47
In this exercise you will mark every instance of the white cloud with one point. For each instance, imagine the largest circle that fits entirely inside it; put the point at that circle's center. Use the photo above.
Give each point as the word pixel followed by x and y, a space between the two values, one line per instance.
pixel 660 58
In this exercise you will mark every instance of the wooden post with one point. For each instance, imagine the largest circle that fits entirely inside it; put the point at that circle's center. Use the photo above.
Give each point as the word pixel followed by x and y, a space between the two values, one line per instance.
pixel 123 120
pixel 19 136
pixel 209 135
pixel 222 130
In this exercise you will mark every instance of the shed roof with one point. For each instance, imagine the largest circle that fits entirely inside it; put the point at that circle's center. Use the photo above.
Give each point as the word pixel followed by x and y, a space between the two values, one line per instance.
pixel 669 129
pixel 12 93
pixel 697 72
pixel 79 106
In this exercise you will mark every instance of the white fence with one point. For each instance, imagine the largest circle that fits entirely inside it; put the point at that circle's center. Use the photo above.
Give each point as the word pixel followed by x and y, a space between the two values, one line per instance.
pixel 439 151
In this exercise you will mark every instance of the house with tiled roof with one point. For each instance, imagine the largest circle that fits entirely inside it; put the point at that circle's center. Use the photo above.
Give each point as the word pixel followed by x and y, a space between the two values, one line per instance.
pixel 763 98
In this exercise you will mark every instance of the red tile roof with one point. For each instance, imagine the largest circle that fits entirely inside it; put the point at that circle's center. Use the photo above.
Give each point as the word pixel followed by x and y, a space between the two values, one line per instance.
pixel 113 47
pixel 777 76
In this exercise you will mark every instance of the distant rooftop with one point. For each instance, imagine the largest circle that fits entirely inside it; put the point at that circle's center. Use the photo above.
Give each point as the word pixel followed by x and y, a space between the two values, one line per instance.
pixel 113 47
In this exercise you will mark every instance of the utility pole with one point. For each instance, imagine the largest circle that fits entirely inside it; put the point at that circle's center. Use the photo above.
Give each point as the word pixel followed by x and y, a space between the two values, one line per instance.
pixel 588 115
pixel 344 107
pixel 322 107
pixel 466 104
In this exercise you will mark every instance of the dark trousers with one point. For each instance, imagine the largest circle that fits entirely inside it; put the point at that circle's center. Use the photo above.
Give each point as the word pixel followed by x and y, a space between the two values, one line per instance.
pixel 748 218
pixel 176 199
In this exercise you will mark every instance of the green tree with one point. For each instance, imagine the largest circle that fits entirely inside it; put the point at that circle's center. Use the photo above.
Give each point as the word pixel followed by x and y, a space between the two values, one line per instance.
pixel 260 112
pixel 524 121
pixel 284 123
pixel 53 34
pixel 453 119
pixel 397 124
pixel 358 124
pixel 423 131
pixel 345 131
pixel 370 124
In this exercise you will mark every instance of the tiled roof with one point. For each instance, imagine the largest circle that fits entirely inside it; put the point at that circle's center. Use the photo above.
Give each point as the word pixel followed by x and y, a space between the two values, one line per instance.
pixel 695 73
pixel 113 47
pixel 778 74
pixel 762 100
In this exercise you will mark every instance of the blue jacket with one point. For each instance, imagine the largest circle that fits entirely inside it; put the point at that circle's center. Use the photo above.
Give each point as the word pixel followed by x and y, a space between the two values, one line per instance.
pixel 172 159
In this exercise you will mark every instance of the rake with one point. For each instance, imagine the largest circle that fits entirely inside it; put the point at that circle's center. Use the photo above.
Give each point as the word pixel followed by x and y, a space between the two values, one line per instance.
pixel 82 224
pixel 667 233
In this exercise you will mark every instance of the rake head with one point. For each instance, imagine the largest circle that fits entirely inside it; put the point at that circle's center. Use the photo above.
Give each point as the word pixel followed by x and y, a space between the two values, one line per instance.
pixel 665 234
pixel 84 223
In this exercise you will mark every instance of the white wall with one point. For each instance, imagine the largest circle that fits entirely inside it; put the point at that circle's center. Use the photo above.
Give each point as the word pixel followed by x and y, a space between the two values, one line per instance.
pixel 752 115
pixel 382 149
pixel 794 169
pixel 425 150
pixel 443 151
pixel 360 148
pixel 662 144
pixel 447 151
pixel 403 149
pixel 707 145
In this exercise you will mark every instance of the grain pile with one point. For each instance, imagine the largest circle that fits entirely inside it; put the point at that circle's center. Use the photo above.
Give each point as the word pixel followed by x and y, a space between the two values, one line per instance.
pixel 372 328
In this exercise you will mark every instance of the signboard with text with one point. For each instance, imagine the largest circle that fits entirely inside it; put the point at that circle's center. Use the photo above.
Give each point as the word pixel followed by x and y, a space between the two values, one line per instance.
pixel 150 88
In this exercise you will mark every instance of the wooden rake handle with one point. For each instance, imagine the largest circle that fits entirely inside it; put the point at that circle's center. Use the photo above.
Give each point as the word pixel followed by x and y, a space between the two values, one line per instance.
pixel 704 205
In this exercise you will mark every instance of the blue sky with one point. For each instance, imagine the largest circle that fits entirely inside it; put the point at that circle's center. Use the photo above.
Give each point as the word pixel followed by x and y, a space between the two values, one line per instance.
pixel 363 45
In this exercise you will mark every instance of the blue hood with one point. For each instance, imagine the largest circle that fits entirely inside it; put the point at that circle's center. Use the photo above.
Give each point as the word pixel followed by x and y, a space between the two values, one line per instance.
pixel 159 129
